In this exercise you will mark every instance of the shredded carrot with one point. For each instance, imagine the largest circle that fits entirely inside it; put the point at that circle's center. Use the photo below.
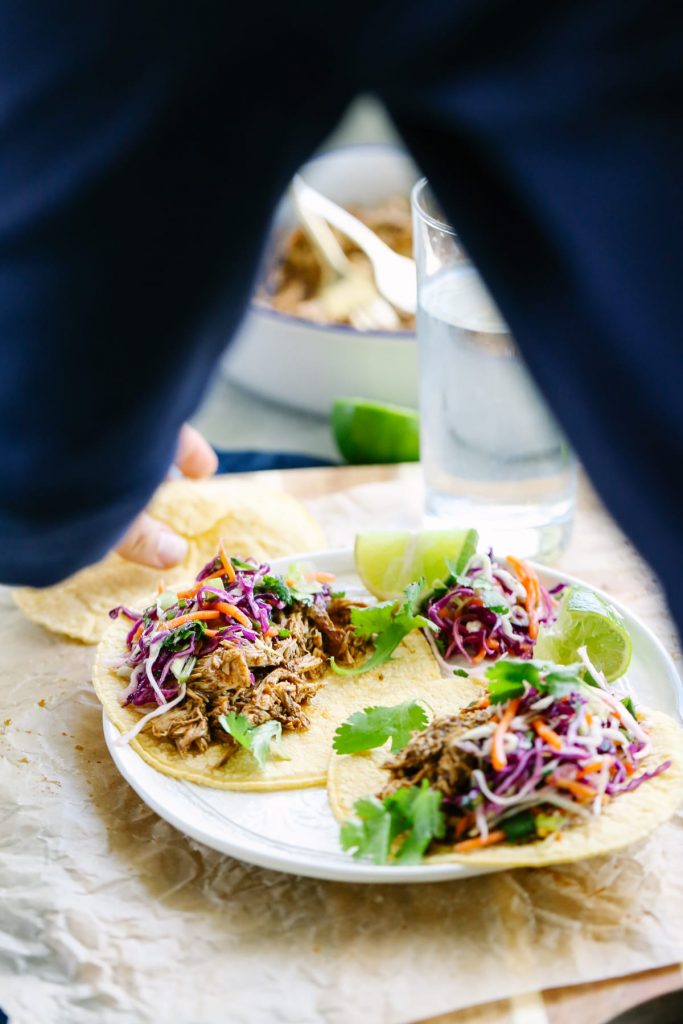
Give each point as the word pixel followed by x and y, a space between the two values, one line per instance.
pixel 271 631
pixel 529 580
pixel 227 564
pixel 233 613
pixel 479 656
pixel 212 632
pixel 547 734
pixel 589 718
pixel 463 824
pixel 628 767
pixel 161 587
pixel 498 758
pixel 594 766
pixel 577 789
pixel 138 633
pixel 478 842
pixel 483 703
pixel 321 577
pixel 190 617
pixel 194 591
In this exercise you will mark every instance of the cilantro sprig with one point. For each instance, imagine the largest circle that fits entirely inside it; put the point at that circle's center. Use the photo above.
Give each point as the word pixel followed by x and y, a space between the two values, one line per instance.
pixel 179 637
pixel 506 679
pixel 255 738
pixel 373 726
pixel 389 622
pixel 398 828
pixel 271 584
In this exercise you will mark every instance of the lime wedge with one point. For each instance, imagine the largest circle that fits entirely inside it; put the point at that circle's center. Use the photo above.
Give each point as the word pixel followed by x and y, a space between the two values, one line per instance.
pixel 585 620
pixel 388 560
pixel 370 432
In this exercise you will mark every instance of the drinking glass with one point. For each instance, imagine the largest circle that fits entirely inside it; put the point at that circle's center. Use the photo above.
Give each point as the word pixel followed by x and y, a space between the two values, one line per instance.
pixel 493 455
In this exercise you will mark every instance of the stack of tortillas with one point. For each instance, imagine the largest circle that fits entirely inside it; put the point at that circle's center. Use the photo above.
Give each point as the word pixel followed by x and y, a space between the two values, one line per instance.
pixel 252 520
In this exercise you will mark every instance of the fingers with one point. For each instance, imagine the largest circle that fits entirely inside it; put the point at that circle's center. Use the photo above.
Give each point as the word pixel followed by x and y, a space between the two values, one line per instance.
pixel 151 543
pixel 148 541
pixel 194 456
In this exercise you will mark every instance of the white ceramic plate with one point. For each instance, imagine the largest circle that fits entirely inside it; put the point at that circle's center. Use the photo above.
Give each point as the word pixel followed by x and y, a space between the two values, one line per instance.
pixel 294 830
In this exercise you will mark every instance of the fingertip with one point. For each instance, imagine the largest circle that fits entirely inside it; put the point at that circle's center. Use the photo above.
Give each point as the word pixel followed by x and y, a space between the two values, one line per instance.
pixel 149 542
pixel 195 457
pixel 170 549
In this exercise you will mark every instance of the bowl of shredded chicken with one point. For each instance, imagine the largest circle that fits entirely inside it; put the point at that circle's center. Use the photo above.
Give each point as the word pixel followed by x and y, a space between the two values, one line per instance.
pixel 288 350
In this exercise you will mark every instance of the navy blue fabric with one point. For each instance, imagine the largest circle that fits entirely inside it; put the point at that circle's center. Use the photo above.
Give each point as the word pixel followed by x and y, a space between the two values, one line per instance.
pixel 143 147
pixel 252 462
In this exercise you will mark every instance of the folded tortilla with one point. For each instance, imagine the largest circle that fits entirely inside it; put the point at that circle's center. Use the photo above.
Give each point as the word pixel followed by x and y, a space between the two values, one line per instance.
pixel 251 519
pixel 625 819
pixel 413 671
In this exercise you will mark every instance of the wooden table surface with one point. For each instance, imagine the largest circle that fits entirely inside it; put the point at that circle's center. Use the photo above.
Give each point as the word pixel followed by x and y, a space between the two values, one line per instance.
pixel 600 554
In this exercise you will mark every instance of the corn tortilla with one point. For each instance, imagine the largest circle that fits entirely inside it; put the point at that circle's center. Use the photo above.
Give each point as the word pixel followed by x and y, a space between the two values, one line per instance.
pixel 625 819
pixel 412 671
pixel 252 519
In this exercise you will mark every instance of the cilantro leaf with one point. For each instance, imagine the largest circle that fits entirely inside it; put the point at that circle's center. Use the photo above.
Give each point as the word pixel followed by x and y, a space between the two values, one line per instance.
pixel 629 705
pixel 261 738
pixel 493 599
pixel 507 677
pixel 422 811
pixel 460 672
pixel 271 584
pixel 370 837
pixel 238 727
pixel 389 622
pixel 412 812
pixel 514 671
pixel 502 690
pixel 373 726
pixel 179 637
pixel 239 563
pixel 256 739
pixel 374 619
pixel 561 681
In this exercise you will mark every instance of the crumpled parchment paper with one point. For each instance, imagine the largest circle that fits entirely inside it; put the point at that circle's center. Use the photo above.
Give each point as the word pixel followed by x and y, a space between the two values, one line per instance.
pixel 108 915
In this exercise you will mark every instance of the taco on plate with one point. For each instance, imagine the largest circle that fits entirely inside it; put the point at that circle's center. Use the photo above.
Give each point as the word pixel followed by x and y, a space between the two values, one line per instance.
pixel 541 769
pixel 240 680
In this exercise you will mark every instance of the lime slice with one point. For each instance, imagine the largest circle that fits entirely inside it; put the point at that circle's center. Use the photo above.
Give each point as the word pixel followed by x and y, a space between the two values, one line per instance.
pixel 388 560
pixel 585 620
pixel 368 432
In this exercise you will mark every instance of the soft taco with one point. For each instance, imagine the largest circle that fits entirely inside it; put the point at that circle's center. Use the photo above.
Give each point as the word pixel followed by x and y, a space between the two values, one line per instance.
pixel 240 680
pixel 541 769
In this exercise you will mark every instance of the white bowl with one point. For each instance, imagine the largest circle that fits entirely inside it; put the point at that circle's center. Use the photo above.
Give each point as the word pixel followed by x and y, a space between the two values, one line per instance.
pixel 298 363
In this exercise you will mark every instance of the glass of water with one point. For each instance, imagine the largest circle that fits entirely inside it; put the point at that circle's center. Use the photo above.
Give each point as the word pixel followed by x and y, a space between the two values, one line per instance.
pixel 493 455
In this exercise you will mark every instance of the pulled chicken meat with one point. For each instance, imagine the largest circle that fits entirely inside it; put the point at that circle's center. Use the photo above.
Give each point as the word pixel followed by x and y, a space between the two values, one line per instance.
pixel 433 755
pixel 271 678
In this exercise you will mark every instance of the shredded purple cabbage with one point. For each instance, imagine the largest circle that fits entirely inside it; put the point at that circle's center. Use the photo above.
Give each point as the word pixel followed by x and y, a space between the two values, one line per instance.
pixel 470 628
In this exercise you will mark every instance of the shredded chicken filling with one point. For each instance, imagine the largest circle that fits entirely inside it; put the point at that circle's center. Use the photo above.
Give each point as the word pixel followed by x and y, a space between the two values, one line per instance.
pixel 433 755
pixel 271 678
